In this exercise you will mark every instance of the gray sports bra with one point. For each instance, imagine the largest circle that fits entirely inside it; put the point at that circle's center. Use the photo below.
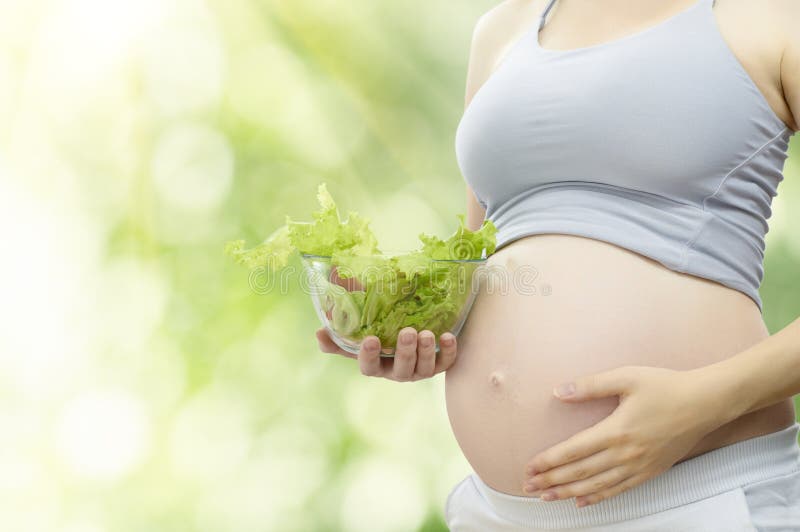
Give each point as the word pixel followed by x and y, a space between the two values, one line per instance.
pixel 658 142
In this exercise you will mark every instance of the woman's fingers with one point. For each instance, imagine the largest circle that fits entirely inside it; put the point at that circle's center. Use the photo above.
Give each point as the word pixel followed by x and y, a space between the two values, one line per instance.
pixel 415 360
pixel 405 354
pixel 426 355
pixel 575 471
pixel 369 357
pixel 595 484
pixel 327 345
pixel 447 352
pixel 580 445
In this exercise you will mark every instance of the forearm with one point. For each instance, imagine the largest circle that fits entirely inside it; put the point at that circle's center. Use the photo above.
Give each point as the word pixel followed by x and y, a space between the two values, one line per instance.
pixel 759 376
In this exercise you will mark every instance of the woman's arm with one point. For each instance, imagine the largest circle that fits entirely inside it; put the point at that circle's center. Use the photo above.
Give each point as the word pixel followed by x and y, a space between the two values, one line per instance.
pixel 416 359
pixel 790 61
pixel 495 32
pixel 475 213
pixel 760 376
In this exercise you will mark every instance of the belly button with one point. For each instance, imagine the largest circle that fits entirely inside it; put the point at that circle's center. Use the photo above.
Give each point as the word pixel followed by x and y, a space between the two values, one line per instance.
pixel 496 378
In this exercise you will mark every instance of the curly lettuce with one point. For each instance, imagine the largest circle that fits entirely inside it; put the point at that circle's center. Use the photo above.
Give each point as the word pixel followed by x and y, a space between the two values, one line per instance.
pixel 325 235
pixel 425 289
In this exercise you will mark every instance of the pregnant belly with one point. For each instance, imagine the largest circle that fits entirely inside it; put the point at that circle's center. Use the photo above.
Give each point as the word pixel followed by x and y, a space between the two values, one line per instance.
pixel 575 306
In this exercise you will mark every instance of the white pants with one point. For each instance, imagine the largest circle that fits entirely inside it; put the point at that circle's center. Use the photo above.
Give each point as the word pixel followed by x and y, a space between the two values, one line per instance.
pixel 750 486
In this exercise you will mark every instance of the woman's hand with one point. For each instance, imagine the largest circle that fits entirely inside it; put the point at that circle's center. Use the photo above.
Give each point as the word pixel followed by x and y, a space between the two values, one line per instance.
pixel 662 415
pixel 414 358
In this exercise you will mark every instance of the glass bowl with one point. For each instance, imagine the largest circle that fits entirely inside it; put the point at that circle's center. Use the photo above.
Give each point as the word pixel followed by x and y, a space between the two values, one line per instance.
pixel 382 294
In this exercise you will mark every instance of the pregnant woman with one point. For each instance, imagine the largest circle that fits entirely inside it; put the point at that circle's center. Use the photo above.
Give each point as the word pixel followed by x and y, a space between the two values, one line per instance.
pixel 628 152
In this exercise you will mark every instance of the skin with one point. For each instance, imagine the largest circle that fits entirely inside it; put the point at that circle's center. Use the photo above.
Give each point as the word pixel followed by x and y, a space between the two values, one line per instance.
pixel 644 435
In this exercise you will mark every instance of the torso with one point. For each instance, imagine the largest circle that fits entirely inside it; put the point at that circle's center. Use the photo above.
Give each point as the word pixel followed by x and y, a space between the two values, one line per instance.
pixel 596 305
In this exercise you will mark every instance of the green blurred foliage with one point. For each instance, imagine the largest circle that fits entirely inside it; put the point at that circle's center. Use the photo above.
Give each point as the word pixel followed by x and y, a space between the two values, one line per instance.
pixel 143 384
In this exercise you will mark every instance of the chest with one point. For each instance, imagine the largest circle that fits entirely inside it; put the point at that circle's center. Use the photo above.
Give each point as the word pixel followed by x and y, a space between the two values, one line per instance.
pixel 668 110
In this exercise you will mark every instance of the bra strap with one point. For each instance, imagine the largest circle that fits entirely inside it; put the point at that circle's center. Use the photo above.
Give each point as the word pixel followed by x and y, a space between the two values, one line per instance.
pixel 544 13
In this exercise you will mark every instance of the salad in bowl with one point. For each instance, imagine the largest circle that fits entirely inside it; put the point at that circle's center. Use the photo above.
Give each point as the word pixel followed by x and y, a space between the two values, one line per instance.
pixel 358 290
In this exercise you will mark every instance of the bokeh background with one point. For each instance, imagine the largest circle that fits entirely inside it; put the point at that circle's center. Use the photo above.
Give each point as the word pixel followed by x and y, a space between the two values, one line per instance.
pixel 143 385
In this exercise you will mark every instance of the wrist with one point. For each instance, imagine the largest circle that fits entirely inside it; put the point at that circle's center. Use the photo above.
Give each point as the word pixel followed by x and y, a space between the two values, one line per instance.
pixel 722 393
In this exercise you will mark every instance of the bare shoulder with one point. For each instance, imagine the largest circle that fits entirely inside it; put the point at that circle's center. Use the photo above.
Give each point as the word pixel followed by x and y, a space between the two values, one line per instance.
pixel 771 22
pixel 758 34
pixel 786 17
pixel 785 14
pixel 494 32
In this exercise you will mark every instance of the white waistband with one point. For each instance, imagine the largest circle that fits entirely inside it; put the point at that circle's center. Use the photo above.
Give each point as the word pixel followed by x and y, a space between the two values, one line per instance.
pixel 705 475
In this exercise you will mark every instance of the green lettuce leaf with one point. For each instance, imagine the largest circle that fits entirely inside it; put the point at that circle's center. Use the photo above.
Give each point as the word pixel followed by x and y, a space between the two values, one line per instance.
pixel 425 289
pixel 463 244
pixel 325 235
pixel 273 253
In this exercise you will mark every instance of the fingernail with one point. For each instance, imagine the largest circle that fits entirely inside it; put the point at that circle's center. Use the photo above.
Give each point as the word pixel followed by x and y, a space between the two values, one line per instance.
pixel 447 340
pixel 371 345
pixel 528 488
pixel 426 341
pixel 407 337
pixel 581 503
pixel 548 496
pixel 564 390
